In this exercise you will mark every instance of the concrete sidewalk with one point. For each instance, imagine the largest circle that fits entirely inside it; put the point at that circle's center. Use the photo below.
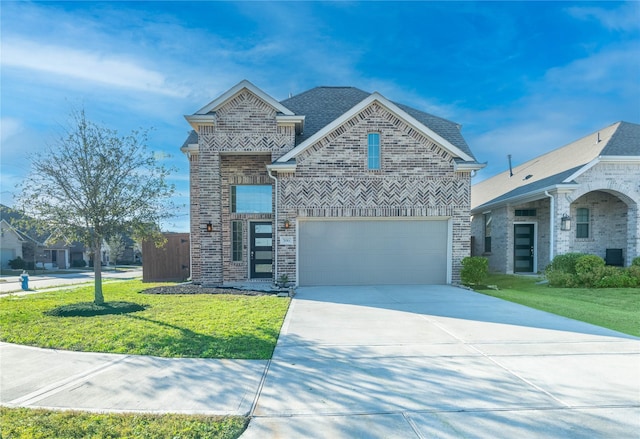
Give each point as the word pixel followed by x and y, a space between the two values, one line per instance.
pixel 34 377
pixel 373 362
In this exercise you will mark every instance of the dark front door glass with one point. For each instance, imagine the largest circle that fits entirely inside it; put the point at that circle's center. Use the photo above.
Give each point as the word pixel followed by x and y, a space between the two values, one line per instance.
pixel 261 253
pixel 523 248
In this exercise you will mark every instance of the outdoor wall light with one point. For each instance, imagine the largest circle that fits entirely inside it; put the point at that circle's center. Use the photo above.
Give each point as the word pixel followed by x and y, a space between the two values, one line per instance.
pixel 565 222
pixel 287 224
pixel 209 227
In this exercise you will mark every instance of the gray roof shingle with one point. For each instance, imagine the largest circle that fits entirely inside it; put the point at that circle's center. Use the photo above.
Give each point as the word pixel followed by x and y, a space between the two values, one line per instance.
pixel 620 139
pixel 624 142
pixel 323 105
pixel 534 187
pixel 192 139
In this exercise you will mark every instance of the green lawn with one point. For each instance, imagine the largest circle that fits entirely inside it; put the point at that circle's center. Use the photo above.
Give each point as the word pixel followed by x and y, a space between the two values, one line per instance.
pixel 614 308
pixel 21 423
pixel 198 326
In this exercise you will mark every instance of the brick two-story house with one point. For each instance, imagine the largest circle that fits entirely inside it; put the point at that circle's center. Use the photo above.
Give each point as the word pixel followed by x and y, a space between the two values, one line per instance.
pixel 334 186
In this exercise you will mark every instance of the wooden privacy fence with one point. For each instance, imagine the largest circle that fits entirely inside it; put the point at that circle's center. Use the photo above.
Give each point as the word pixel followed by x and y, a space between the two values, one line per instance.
pixel 169 262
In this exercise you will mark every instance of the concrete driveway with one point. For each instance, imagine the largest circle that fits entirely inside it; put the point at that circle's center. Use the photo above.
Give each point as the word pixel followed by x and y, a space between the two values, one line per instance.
pixel 443 362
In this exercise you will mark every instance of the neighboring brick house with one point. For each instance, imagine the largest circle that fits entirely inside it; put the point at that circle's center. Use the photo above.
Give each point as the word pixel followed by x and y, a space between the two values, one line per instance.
pixel 582 197
pixel 332 186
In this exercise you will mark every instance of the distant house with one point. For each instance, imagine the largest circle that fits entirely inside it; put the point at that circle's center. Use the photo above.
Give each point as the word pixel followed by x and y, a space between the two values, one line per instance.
pixel 40 248
pixel 333 186
pixel 11 242
pixel 582 197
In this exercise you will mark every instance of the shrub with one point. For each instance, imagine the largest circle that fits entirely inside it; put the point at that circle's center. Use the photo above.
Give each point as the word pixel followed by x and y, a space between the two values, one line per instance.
pixel 565 262
pixel 636 262
pixel 590 270
pixel 17 263
pixel 474 270
pixel 79 263
pixel 634 272
pixel 614 277
pixel 560 279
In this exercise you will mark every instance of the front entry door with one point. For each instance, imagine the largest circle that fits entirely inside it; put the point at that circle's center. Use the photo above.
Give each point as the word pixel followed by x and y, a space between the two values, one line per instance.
pixel 261 256
pixel 523 251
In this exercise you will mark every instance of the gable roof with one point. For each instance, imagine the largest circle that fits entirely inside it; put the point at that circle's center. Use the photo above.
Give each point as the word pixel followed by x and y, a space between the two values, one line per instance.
pixel 229 94
pixel 8 227
pixel 559 167
pixel 324 106
pixel 462 151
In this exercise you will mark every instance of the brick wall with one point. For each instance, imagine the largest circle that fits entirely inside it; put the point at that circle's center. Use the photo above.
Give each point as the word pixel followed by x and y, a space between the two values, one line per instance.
pixel 610 191
pixel 234 149
pixel 613 192
pixel 240 170
pixel 416 179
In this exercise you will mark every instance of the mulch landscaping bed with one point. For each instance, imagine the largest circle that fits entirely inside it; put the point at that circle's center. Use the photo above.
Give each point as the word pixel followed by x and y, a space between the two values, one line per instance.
pixel 197 289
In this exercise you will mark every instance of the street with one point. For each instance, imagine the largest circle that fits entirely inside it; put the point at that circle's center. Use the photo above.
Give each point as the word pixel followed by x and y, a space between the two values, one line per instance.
pixel 11 284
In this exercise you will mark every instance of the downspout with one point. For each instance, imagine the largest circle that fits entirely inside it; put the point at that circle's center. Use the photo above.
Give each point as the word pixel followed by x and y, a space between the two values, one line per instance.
pixel 275 228
pixel 552 222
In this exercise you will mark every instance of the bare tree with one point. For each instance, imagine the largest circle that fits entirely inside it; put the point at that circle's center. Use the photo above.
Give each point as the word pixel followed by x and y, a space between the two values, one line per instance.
pixel 116 248
pixel 92 183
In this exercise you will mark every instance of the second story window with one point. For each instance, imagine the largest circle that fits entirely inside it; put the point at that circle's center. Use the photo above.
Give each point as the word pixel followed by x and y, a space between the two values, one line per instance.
pixel 373 151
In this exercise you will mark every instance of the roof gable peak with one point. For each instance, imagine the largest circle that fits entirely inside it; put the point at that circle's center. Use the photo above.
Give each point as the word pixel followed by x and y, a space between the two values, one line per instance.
pixel 376 97
pixel 235 90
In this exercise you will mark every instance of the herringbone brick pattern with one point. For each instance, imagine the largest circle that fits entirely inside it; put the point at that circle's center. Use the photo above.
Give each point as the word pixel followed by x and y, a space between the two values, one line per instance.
pixel 374 192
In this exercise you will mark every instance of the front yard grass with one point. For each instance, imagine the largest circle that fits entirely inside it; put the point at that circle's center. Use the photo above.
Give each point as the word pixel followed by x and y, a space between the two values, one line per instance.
pixel 22 423
pixel 196 326
pixel 613 308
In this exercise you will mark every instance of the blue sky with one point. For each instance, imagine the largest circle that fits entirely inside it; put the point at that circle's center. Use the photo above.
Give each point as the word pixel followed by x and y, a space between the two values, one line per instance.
pixel 522 78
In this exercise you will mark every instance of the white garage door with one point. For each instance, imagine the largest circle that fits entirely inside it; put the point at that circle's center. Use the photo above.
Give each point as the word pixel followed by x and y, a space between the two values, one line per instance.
pixel 369 252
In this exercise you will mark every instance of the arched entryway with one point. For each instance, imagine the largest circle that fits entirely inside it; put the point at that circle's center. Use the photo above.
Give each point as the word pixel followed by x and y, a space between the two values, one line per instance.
pixel 604 223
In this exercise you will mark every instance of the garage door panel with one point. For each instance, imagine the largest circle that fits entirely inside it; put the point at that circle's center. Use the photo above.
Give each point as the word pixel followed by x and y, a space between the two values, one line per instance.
pixel 360 252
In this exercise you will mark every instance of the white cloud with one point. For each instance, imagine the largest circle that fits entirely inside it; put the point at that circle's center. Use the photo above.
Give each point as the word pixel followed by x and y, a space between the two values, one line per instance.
pixel 612 70
pixel 92 66
pixel 625 18
pixel 566 103
pixel 9 127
